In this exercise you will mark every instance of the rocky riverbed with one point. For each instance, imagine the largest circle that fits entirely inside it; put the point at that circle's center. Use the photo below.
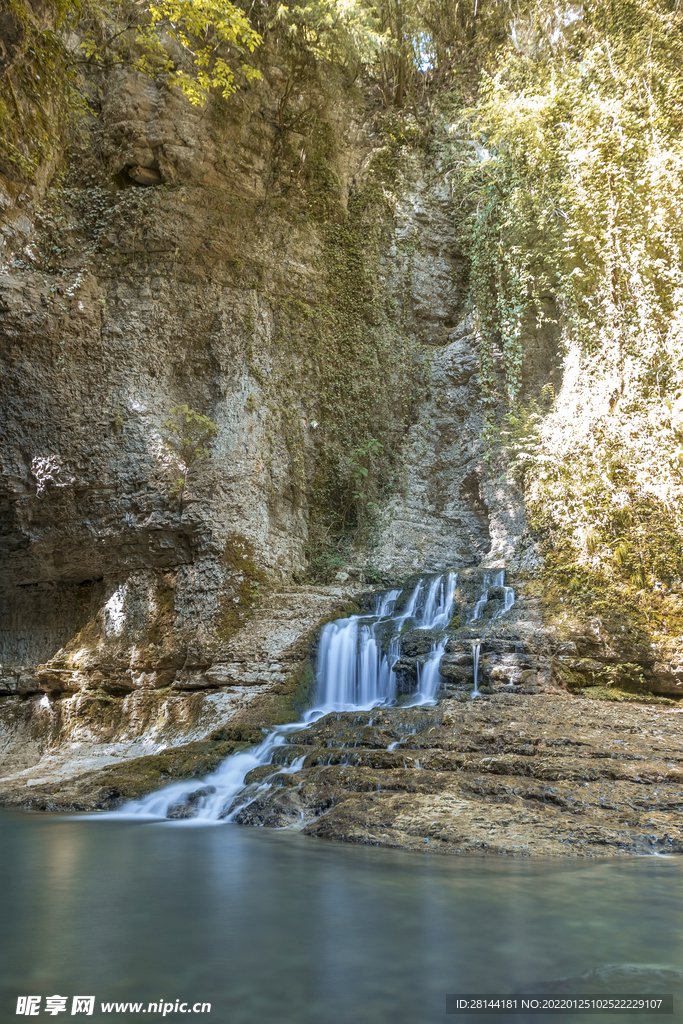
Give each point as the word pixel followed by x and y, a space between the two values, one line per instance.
pixel 510 774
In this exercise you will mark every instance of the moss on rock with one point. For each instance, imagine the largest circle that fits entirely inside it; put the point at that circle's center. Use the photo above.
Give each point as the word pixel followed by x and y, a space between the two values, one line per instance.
pixel 246 583
pixel 109 788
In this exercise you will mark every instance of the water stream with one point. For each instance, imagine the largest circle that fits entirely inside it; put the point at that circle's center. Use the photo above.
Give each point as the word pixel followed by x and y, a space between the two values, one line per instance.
pixel 498 580
pixel 476 650
pixel 354 673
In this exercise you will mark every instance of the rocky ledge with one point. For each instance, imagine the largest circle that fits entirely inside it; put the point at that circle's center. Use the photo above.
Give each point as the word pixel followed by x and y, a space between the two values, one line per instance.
pixel 514 774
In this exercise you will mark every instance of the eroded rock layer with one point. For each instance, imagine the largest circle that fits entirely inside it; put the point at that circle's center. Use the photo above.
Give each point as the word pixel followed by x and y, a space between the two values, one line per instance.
pixel 263 675
pixel 517 775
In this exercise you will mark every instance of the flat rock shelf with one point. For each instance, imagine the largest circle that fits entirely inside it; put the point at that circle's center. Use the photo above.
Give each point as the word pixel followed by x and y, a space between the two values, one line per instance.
pixel 515 775
pixel 507 774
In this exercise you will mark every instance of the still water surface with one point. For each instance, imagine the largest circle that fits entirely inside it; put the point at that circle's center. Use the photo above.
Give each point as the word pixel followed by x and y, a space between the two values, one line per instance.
pixel 272 926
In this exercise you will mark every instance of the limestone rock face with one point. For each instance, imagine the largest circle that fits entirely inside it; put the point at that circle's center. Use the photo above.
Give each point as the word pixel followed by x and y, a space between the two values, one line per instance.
pixel 178 247
pixel 440 521
pixel 86 479
pixel 164 296
pixel 447 512
pixel 100 704
pixel 157 136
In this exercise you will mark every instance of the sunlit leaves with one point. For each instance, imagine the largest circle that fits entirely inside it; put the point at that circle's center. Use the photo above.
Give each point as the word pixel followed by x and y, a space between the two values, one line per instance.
pixel 579 195
pixel 343 31
pixel 212 37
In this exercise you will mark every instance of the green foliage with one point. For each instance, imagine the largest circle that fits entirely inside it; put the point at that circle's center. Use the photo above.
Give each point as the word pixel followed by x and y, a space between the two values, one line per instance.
pixel 37 93
pixel 312 40
pixel 186 434
pixel 627 696
pixel 343 381
pixel 576 190
pixel 574 199
pixel 519 435
pixel 213 36
pixel 365 379
pixel 441 37
pixel 197 45
pixel 344 32
pixel 326 559
pixel 361 465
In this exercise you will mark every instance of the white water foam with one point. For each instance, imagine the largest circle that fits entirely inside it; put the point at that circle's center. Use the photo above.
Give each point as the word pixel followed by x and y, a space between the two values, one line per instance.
pixel 476 649
pixel 353 674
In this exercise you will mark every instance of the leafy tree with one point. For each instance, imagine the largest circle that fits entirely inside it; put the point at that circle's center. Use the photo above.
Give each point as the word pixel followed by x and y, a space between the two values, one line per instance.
pixel 197 45
pixel 344 33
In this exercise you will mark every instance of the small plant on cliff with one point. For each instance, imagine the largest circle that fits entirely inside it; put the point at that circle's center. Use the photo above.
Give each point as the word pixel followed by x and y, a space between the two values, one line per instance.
pixel 186 435
pixel 359 472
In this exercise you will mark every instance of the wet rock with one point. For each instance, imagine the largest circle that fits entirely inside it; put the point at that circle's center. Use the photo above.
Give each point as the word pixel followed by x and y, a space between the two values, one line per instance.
pixel 416 642
pixel 289 753
pixel 239 733
pixel 259 774
pixel 549 775
pixel 109 788
pixel 189 807
pixel 510 774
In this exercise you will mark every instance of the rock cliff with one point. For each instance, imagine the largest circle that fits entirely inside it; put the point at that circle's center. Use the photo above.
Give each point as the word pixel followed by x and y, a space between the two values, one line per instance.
pixel 305 289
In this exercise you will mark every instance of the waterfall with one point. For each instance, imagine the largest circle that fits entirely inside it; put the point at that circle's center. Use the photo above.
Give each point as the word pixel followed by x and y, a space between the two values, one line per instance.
pixel 411 606
pixel 429 677
pixel 476 614
pixel 352 671
pixel 509 600
pixel 490 580
pixel 476 648
pixel 353 674
pixel 213 797
pixel 437 614
pixel 438 609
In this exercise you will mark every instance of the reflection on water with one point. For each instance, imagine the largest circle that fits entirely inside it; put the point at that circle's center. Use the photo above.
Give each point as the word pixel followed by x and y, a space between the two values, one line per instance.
pixel 270 925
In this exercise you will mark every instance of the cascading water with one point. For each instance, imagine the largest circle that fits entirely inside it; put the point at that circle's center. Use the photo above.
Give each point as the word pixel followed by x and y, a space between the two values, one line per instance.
pixel 214 796
pixel 508 601
pixel 476 650
pixel 429 677
pixel 438 607
pixel 437 614
pixel 352 671
pixel 509 597
pixel 353 674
